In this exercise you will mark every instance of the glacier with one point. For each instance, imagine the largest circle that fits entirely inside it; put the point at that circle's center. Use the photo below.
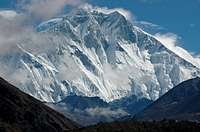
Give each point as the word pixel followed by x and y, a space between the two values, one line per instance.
pixel 97 54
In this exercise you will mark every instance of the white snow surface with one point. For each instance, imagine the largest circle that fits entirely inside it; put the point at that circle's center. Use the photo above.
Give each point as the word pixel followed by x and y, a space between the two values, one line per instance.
pixel 98 54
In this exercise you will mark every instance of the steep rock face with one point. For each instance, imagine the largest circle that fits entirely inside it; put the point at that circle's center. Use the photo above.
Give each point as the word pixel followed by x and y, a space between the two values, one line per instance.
pixel 180 103
pixel 22 113
pixel 98 54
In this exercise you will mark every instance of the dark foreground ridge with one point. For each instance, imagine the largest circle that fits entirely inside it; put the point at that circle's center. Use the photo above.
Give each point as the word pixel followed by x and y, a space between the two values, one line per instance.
pixel 180 103
pixel 20 112
pixel 132 126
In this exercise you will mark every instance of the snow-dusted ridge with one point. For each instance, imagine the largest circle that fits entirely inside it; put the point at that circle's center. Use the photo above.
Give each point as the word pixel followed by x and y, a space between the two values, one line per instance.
pixel 102 55
pixel 186 56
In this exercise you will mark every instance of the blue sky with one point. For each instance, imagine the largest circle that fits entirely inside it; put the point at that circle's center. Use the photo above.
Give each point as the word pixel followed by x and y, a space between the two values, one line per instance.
pixel 181 17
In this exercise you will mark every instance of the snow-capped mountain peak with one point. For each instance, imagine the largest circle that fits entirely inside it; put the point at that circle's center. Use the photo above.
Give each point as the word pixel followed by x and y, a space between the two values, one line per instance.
pixel 104 55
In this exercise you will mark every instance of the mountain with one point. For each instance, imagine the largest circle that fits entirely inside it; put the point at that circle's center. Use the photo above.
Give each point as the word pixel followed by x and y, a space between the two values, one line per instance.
pixel 180 103
pixel 88 110
pixel 90 53
pixel 131 104
pixel 22 113
pixel 93 110
pixel 80 102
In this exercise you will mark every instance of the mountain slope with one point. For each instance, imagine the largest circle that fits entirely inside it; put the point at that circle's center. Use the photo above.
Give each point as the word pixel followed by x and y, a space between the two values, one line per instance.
pixel 180 103
pixel 88 110
pixel 82 103
pixel 131 105
pixel 95 54
pixel 93 110
pixel 22 113
pixel 133 126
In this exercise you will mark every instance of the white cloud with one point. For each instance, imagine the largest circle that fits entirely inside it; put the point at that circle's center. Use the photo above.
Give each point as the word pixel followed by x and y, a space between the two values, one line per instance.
pixel 14 33
pixel 149 27
pixel 45 9
pixel 106 112
pixel 115 76
pixel 69 66
pixel 149 24
pixel 170 41
pixel 18 27
pixel 8 14
pixel 9 33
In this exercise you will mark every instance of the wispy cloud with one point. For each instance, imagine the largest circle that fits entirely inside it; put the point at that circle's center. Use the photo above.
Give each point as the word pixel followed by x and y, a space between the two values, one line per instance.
pixel 106 112
pixel 17 27
pixel 14 33
pixel 168 39
pixel 8 14
pixel 150 27
pixel 149 24
pixel 171 40
pixel 45 9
